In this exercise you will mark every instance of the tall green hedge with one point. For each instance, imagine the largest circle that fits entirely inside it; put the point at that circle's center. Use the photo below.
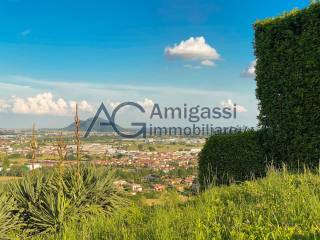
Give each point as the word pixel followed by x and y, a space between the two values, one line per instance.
pixel 231 157
pixel 288 85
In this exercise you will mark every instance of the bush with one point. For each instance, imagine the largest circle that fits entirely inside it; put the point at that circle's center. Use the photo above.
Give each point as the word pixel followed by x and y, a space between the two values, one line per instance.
pixel 288 79
pixel 48 200
pixel 8 222
pixel 231 157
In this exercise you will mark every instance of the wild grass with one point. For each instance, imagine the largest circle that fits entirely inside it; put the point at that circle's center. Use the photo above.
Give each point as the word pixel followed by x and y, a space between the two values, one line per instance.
pixel 280 206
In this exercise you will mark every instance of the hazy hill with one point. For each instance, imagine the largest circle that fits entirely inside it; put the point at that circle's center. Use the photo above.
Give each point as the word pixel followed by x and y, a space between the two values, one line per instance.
pixel 84 125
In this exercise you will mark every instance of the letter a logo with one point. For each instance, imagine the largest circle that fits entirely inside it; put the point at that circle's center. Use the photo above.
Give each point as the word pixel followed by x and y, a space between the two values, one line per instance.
pixel 111 122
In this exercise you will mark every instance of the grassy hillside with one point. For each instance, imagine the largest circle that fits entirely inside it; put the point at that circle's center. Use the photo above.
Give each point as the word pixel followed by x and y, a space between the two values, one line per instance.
pixel 280 206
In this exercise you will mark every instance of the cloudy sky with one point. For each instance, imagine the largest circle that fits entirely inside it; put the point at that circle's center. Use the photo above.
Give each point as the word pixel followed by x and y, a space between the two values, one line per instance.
pixel 56 53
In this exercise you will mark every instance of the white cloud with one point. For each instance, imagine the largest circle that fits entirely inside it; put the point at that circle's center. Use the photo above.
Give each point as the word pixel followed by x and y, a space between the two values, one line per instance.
pixel 40 104
pixel 25 32
pixel 26 86
pixel 114 104
pixel 43 104
pixel 250 71
pixel 146 103
pixel 196 49
pixel 83 106
pixel 192 66
pixel 228 103
pixel 208 63
pixel 9 87
pixel 117 90
pixel 4 105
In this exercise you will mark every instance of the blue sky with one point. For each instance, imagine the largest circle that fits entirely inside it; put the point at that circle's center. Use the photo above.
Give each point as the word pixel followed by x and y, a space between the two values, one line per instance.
pixel 113 51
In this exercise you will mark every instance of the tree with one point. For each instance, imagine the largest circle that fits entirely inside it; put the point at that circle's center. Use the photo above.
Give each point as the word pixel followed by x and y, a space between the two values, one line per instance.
pixel 314 1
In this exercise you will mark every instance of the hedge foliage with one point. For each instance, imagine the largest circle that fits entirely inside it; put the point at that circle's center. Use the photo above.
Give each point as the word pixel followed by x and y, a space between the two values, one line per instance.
pixel 288 85
pixel 231 157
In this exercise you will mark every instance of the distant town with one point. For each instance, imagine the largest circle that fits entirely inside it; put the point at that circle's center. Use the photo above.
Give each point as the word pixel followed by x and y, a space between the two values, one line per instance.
pixel 143 166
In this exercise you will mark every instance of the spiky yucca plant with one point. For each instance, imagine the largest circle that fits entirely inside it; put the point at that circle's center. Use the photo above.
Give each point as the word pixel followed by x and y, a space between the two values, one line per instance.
pixel 41 206
pixel 48 201
pixel 94 188
pixel 8 222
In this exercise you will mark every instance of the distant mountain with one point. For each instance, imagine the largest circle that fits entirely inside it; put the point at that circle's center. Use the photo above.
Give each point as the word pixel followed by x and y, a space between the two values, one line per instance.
pixel 84 125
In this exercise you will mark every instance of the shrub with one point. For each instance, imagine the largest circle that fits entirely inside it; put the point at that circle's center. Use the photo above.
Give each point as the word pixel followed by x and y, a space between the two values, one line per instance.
pixel 95 188
pixel 8 222
pixel 48 200
pixel 230 157
pixel 288 79
pixel 42 207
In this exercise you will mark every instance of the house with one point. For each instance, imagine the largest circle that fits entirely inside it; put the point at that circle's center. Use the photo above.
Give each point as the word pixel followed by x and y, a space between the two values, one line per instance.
pixel 34 166
pixel 180 188
pixel 158 187
pixel 189 180
pixel 175 181
pixel 136 187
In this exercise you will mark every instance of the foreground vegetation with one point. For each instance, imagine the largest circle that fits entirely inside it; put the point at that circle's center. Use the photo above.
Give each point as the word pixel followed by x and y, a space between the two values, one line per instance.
pixel 280 206
pixel 44 201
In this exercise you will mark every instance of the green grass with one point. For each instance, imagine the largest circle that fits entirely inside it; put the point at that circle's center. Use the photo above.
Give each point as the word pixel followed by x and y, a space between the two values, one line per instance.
pixel 280 206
